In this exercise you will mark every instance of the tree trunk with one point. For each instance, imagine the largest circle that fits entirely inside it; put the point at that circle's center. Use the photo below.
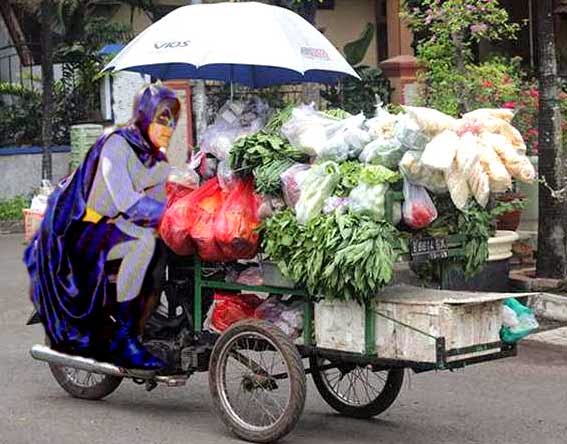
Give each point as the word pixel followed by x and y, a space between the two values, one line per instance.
pixel 457 38
pixel 47 25
pixel 552 236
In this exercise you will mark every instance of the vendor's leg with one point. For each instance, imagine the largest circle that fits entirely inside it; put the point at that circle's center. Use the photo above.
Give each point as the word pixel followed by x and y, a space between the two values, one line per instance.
pixel 136 257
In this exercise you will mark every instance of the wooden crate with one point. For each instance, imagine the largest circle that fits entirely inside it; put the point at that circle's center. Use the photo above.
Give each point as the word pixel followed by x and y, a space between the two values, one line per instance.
pixel 32 221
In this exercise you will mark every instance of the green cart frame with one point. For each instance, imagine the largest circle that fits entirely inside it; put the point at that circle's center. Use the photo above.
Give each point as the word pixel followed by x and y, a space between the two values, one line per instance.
pixel 329 368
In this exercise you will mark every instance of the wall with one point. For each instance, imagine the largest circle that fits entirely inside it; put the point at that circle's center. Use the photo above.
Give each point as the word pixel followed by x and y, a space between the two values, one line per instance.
pixel 21 173
pixel 345 23
pixel 341 25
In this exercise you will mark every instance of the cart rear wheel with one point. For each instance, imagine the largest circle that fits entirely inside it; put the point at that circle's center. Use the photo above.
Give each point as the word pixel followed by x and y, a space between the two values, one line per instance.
pixel 354 390
pixel 257 381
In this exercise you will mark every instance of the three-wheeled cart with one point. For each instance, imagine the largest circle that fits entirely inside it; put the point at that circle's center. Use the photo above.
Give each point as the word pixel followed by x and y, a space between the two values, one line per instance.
pixel 356 354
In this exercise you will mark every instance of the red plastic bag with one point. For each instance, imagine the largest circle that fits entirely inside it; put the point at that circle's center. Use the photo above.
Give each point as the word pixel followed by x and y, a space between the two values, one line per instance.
pixel 237 222
pixel 174 229
pixel 205 203
pixel 418 209
pixel 232 307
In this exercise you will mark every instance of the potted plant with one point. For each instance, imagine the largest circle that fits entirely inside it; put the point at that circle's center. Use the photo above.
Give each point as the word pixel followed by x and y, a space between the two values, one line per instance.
pixel 510 210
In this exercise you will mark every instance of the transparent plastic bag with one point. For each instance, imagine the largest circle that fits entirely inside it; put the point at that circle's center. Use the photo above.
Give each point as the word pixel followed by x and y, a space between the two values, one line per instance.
pixel 386 152
pixel 291 180
pixel 410 134
pixel 225 175
pixel 316 187
pixel 383 125
pixel 430 121
pixel 335 203
pixel 345 139
pixel 518 321
pixel 369 199
pixel 288 318
pixel 418 209
pixel 413 170
pixel 306 129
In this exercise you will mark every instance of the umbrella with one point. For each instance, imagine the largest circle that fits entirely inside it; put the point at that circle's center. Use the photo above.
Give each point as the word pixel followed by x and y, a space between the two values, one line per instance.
pixel 250 43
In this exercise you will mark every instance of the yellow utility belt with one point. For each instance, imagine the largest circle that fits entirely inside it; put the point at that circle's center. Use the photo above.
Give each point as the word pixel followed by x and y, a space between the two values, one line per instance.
pixel 92 216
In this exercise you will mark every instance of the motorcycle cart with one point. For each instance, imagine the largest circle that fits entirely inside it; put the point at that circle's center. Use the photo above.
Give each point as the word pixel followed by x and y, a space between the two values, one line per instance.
pixel 257 374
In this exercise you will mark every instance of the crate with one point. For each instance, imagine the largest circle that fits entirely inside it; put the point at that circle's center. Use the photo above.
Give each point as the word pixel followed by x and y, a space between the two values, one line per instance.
pixel 32 221
pixel 407 323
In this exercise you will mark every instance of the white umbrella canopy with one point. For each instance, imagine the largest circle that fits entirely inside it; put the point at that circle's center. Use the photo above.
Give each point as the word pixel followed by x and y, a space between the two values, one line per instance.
pixel 250 43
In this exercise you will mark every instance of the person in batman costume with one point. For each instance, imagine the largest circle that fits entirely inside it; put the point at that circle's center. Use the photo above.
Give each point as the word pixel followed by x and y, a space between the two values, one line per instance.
pixel 108 208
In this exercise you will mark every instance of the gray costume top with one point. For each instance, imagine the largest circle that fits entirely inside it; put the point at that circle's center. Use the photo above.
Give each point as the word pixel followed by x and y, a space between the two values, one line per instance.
pixel 120 181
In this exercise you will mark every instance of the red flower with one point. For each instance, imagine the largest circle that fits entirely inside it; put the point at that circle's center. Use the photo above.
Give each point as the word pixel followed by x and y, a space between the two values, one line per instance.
pixel 510 105
pixel 534 92
pixel 487 84
pixel 531 132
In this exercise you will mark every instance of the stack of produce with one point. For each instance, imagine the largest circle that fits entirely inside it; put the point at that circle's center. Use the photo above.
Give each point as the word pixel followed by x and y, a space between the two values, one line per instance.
pixel 321 181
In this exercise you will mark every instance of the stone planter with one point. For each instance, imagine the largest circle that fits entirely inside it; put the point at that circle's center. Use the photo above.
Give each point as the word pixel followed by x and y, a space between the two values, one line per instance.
pixel 500 245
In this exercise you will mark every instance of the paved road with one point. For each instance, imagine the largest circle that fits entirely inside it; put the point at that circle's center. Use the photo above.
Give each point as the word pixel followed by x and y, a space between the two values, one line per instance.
pixel 514 401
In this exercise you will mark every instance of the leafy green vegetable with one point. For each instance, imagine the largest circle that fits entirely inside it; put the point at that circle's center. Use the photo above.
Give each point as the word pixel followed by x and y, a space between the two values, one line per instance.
pixel 353 173
pixel 378 174
pixel 259 149
pixel 277 120
pixel 337 113
pixel 341 256
pixel 267 176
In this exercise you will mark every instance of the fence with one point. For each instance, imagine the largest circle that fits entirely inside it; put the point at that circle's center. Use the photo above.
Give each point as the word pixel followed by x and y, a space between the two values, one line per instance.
pixel 15 70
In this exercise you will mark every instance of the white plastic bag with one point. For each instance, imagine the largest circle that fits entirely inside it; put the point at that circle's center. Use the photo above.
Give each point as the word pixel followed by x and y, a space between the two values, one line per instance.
pixel 469 166
pixel 440 152
pixel 429 120
pixel 335 203
pixel 418 209
pixel 382 125
pixel 458 186
pixel 306 129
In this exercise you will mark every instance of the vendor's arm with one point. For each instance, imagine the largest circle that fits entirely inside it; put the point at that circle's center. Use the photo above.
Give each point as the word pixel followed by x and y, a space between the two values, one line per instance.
pixel 137 207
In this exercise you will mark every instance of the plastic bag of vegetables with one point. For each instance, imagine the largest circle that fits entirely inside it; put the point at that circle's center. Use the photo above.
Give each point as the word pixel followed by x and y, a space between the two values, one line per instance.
pixel 410 134
pixel 317 185
pixel 307 128
pixel 418 209
pixel 345 139
pixel 369 200
pixel 369 196
pixel 291 180
pixel 386 152
pixel 413 170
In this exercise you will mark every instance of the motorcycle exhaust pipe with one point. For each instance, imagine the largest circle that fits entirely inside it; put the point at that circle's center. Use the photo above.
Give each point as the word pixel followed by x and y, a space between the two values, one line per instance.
pixel 46 354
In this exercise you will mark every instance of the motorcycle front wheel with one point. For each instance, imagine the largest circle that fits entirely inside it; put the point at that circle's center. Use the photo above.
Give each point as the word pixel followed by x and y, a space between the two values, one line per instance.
pixel 82 384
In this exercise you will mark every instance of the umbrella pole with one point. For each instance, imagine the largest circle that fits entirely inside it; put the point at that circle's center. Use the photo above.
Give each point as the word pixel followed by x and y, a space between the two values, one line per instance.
pixel 231 91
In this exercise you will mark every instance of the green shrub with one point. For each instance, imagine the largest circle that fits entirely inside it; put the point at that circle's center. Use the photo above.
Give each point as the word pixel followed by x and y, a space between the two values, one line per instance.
pixel 11 209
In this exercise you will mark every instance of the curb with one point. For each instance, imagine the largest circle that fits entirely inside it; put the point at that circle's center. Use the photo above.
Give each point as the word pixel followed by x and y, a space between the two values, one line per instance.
pixel 549 306
pixel 11 226
pixel 556 337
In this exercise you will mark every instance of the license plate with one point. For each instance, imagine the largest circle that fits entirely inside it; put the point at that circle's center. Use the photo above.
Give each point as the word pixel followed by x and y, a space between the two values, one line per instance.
pixel 428 249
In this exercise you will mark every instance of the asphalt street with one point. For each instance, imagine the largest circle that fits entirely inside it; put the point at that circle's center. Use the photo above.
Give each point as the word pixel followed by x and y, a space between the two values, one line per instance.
pixel 513 401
